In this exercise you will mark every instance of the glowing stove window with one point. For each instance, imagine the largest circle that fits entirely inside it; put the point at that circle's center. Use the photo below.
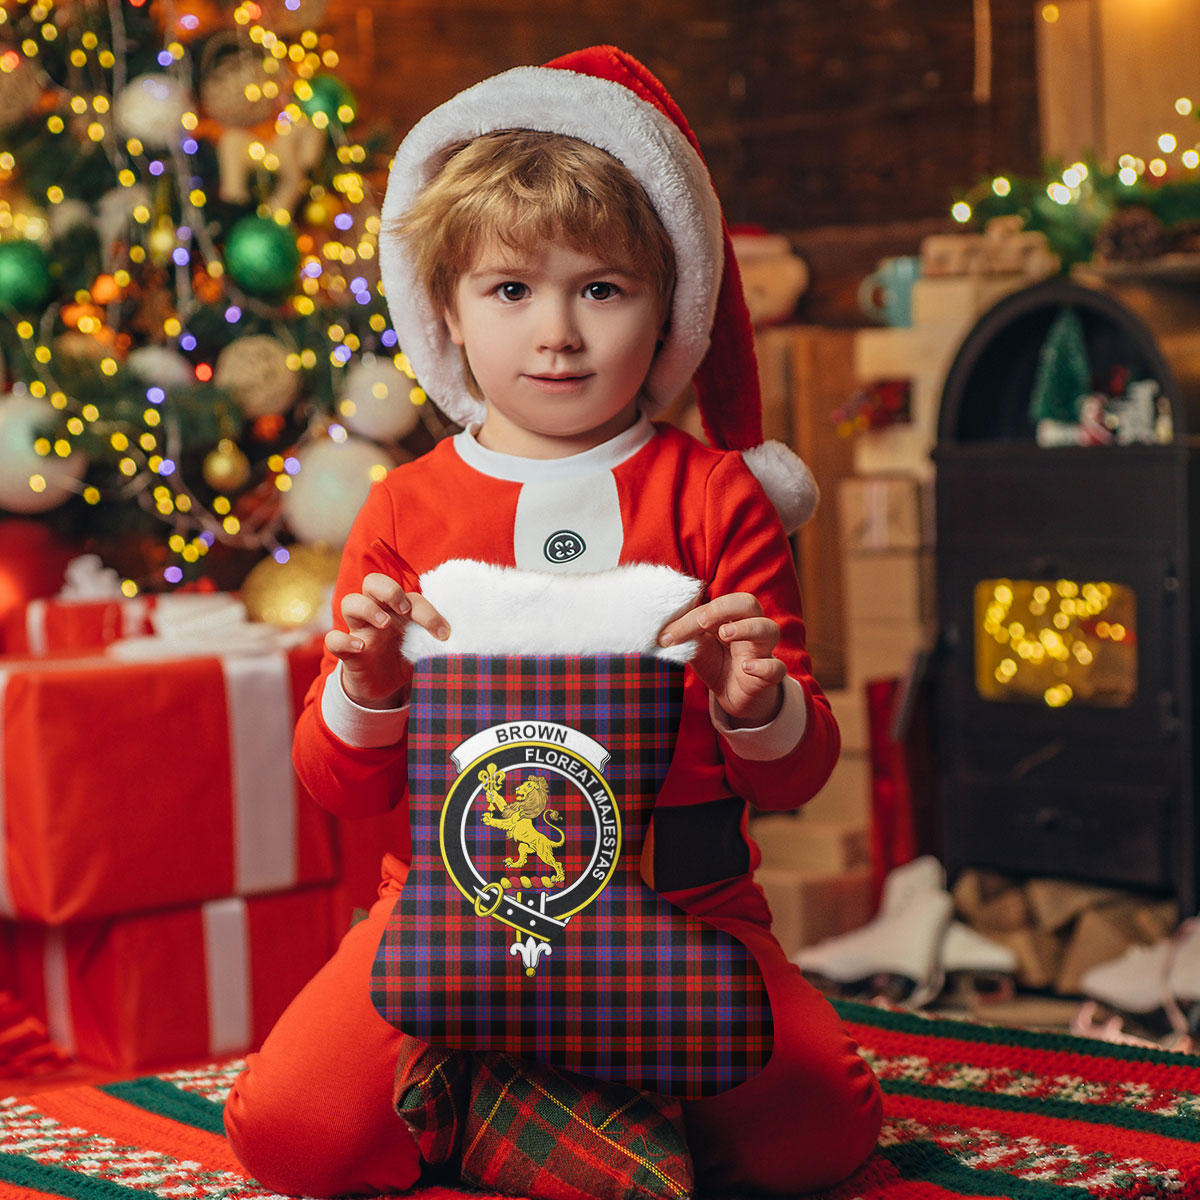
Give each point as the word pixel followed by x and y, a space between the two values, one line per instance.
pixel 1056 642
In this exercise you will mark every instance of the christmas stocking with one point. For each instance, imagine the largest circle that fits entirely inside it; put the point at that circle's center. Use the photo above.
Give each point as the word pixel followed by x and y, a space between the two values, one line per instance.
pixel 525 926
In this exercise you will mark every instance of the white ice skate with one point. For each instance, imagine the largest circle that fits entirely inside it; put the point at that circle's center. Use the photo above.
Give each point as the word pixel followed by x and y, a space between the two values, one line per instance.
pixel 1155 987
pixel 898 953
pixel 980 966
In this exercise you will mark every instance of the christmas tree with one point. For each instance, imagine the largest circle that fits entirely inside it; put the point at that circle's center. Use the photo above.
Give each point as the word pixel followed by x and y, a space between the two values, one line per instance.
pixel 196 357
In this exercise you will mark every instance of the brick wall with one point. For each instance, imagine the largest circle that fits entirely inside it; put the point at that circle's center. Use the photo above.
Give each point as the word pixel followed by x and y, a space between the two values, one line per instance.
pixel 810 113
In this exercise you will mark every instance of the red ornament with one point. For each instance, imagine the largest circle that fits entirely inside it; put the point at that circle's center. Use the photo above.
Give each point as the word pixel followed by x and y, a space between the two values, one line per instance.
pixel 32 560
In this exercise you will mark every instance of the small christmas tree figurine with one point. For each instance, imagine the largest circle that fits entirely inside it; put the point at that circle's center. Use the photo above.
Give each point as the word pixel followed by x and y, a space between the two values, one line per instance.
pixel 189 290
pixel 1064 375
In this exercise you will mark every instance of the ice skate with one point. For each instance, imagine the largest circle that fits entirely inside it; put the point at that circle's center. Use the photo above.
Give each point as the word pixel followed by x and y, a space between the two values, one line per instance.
pixel 978 965
pixel 1154 989
pixel 898 953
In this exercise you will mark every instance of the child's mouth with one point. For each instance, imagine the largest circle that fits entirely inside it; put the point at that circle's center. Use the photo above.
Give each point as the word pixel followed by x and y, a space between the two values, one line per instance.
pixel 558 383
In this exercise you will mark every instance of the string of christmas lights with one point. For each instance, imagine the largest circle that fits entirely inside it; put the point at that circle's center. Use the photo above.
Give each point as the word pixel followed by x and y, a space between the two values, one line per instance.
pixel 1075 203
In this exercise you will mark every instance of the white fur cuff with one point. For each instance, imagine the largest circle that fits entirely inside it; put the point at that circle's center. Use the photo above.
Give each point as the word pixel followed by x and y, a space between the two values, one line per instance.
pixel 506 611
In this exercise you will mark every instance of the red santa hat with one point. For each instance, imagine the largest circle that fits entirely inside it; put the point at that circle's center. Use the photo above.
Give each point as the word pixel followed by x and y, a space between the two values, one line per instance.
pixel 607 98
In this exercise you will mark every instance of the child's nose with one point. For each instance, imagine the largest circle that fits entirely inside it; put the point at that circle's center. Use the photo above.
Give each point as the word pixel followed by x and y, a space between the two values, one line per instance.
pixel 557 328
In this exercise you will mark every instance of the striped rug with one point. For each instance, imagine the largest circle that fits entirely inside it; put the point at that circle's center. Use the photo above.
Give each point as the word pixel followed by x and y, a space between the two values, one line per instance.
pixel 971 1111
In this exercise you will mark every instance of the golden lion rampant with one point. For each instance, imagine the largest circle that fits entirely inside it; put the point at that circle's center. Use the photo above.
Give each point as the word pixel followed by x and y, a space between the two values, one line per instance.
pixel 517 818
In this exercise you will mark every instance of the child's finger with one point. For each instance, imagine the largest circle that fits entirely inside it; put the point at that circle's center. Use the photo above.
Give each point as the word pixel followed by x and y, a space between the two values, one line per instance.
pixel 387 593
pixel 343 645
pixel 767 671
pixel 424 614
pixel 705 618
pixel 362 612
pixel 762 632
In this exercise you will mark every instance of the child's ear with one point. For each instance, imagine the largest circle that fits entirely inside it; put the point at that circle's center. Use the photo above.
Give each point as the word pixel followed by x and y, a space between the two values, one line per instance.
pixel 452 327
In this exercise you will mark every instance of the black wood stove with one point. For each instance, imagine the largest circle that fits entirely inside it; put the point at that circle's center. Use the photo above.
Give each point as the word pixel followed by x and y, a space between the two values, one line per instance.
pixel 1068 656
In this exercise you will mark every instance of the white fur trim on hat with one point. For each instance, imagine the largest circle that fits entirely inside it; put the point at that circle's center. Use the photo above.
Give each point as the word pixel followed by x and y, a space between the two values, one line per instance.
pixel 604 114
pixel 620 611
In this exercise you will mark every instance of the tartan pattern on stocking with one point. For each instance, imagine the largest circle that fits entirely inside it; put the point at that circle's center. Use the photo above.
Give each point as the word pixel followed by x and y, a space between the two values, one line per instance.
pixel 566 957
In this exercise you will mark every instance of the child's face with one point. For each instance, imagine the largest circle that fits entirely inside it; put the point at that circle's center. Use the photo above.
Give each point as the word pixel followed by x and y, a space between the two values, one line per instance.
pixel 559 342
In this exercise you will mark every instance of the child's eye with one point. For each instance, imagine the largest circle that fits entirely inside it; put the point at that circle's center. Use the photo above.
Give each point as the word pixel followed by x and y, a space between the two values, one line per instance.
pixel 601 291
pixel 512 291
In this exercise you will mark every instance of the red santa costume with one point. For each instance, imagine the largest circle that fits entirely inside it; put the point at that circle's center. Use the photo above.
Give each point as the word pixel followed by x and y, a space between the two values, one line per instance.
pixel 313 1112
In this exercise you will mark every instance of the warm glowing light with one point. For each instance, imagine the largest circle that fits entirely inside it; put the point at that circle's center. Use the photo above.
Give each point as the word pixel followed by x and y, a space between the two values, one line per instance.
pixel 1128 176
pixel 1190 159
pixel 1039 640
pixel 961 212
pixel 1166 142
pixel 1050 13
pixel 1158 168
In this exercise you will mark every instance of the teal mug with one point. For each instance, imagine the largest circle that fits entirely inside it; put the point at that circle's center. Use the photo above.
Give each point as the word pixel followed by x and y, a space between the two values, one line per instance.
pixel 886 294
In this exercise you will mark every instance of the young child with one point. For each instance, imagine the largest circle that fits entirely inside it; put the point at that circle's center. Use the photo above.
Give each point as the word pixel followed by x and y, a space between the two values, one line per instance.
pixel 558 271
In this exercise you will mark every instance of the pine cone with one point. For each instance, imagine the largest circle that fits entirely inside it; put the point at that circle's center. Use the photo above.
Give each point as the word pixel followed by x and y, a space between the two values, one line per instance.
pixel 1132 234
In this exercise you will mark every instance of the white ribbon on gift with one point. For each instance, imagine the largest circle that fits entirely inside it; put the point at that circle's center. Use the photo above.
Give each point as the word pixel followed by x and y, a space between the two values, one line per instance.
pixel 56 979
pixel 258 695
pixel 227 977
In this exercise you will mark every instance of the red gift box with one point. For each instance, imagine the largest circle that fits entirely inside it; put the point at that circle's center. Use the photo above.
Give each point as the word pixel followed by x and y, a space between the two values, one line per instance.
pixel 131 786
pixel 173 987
pixel 52 625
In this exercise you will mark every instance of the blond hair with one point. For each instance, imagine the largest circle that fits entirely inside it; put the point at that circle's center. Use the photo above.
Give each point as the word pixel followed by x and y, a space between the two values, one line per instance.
pixel 520 188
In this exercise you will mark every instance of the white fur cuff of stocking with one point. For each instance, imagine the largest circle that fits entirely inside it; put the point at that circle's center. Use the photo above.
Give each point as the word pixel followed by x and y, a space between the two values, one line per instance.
pixel 506 611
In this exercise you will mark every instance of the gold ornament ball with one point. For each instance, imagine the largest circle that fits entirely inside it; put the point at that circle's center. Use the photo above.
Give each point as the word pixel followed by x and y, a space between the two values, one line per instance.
pixel 226 468
pixel 318 213
pixel 291 594
pixel 255 370
pixel 162 242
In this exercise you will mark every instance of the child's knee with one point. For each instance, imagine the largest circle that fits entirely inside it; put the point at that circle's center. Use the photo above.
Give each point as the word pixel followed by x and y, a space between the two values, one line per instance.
pixel 842 1130
pixel 807 1125
pixel 296 1151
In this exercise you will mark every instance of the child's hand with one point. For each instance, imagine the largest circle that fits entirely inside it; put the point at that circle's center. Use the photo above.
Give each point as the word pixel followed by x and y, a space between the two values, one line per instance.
pixel 734 655
pixel 373 672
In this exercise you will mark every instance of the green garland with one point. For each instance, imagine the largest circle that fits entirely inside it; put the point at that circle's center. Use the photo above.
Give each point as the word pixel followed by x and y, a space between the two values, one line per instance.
pixel 1071 228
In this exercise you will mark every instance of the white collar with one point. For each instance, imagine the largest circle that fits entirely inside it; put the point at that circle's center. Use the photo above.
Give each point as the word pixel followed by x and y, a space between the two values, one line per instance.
pixel 514 469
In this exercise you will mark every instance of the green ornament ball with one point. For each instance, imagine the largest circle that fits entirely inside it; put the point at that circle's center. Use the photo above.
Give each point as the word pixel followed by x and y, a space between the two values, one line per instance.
pixel 24 275
pixel 262 256
pixel 328 95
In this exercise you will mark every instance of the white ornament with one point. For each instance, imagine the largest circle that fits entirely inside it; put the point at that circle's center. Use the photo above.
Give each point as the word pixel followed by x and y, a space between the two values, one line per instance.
pixel 375 400
pixel 151 108
pixel 228 84
pixel 29 482
pixel 66 215
pixel 255 370
pixel 162 366
pixel 330 488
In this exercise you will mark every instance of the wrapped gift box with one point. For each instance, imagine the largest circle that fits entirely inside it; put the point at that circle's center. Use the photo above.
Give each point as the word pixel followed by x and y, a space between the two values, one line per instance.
pixel 184 985
pixel 130 786
pixel 53 625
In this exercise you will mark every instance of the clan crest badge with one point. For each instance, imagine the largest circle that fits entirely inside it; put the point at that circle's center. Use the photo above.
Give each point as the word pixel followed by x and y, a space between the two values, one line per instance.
pixel 530 801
